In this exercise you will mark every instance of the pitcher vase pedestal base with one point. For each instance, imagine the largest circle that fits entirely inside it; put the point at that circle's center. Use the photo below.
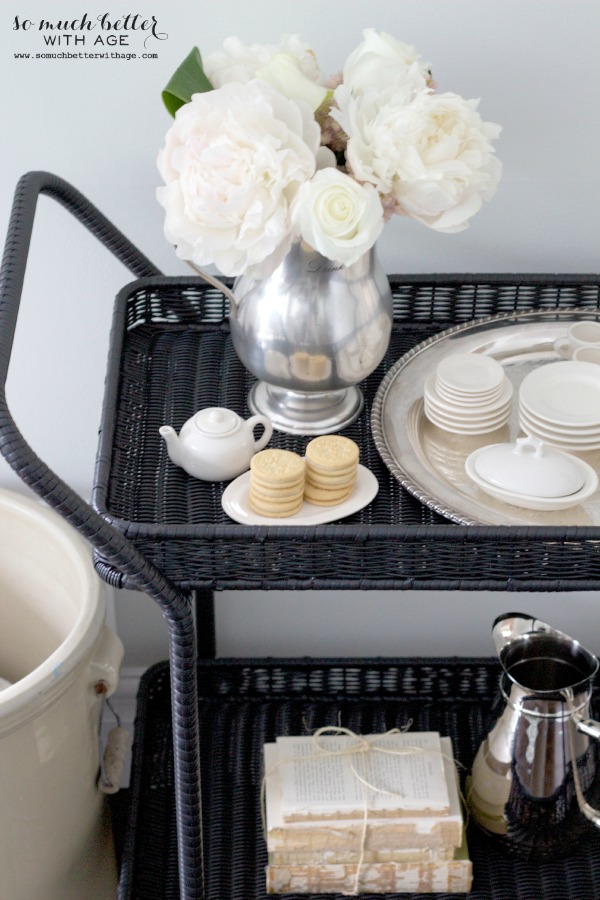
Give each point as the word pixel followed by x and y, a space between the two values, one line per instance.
pixel 306 413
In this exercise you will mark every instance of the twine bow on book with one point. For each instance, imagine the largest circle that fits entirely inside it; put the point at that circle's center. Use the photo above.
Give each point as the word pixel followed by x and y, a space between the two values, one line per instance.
pixel 358 754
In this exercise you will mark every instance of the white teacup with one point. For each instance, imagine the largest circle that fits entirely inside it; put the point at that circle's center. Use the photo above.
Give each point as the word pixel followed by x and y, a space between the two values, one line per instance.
pixel 588 353
pixel 580 334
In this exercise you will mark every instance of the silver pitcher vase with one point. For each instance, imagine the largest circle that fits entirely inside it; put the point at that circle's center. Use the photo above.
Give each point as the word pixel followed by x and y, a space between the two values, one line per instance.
pixel 535 781
pixel 310 332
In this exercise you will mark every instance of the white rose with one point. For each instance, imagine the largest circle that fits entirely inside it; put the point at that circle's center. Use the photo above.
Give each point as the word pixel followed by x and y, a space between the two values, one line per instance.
pixel 232 163
pixel 337 216
pixel 381 63
pixel 283 72
pixel 433 155
pixel 237 62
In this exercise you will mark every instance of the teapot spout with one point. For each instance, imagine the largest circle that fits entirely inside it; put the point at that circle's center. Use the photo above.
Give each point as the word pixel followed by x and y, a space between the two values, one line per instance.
pixel 172 441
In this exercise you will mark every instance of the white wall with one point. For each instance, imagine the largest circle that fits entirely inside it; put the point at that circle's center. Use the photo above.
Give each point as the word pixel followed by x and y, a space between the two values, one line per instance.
pixel 100 123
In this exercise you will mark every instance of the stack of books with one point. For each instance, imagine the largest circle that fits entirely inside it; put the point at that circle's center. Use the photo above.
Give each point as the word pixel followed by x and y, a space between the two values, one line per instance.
pixel 384 821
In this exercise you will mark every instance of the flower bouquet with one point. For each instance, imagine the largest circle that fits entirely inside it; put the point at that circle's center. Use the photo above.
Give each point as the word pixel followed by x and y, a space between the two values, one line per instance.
pixel 264 151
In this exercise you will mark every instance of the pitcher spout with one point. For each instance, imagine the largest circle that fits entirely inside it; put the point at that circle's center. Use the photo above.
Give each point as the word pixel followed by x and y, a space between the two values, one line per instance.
pixel 509 627
pixel 540 658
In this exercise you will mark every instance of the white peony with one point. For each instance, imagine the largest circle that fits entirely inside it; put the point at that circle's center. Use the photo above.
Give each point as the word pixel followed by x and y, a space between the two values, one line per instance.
pixel 381 63
pixel 272 153
pixel 232 164
pixel 433 155
pixel 338 217
pixel 237 62
pixel 283 72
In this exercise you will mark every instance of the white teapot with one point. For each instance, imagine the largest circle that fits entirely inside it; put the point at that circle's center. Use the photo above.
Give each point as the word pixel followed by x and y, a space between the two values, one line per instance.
pixel 216 444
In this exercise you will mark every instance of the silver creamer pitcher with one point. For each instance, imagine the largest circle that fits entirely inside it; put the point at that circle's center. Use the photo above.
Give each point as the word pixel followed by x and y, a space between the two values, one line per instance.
pixel 536 777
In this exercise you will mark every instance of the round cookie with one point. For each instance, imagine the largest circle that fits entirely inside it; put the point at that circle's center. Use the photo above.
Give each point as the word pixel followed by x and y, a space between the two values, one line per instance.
pixel 276 483
pixel 278 492
pixel 275 466
pixel 331 469
pixel 333 495
pixel 324 497
pixel 318 479
pixel 275 510
pixel 332 452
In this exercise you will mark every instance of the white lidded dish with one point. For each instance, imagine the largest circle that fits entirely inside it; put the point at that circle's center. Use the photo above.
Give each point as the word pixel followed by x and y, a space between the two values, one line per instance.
pixel 529 474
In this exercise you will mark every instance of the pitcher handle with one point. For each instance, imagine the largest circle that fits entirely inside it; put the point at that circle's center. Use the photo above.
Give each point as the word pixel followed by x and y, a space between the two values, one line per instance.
pixel 592 729
pixel 588 726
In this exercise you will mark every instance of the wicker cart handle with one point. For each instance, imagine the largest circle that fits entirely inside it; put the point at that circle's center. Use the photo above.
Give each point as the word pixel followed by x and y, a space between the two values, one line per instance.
pixel 13 446
pixel 110 543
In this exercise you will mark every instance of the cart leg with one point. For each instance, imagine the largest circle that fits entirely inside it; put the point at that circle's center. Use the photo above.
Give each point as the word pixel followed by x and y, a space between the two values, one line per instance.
pixel 184 700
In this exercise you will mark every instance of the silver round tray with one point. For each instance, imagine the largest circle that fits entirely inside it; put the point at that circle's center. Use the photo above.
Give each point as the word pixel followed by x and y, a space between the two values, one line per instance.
pixel 428 461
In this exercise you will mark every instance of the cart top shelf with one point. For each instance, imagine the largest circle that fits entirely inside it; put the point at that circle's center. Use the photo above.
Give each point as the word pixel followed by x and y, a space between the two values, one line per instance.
pixel 171 355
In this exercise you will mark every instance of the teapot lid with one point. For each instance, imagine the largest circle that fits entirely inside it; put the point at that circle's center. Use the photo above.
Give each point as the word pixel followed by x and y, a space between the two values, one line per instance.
pixel 529 467
pixel 216 421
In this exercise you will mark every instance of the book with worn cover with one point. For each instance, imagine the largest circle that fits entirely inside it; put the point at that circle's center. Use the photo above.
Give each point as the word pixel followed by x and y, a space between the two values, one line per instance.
pixel 453 876
pixel 352 856
pixel 394 855
pixel 404 833
pixel 401 775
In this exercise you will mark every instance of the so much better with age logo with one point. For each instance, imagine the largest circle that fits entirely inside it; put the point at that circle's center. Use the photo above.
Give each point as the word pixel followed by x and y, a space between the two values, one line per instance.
pixel 88 36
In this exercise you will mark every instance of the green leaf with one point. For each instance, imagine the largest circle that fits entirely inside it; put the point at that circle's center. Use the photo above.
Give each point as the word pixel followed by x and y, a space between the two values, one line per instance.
pixel 188 79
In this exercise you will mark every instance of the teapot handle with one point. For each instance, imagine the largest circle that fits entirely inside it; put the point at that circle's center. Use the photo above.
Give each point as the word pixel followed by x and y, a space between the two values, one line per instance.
pixel 265 437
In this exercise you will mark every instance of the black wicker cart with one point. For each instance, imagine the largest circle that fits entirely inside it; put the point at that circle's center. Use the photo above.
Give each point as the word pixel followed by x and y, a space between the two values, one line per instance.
pixel 156 530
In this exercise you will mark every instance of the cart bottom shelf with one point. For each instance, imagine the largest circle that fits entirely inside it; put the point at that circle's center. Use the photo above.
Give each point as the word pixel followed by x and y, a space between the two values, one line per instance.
pixel 244 703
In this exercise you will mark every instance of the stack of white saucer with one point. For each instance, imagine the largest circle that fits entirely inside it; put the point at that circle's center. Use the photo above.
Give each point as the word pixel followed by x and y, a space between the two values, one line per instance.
pixel 559 403
pixel 468 393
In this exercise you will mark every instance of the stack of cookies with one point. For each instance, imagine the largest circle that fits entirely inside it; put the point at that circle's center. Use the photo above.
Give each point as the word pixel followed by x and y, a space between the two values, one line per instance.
pixel 331 469
pixel 276 483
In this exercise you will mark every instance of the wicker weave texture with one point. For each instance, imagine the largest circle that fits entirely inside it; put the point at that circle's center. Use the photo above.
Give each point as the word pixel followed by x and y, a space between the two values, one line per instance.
pixel 245 703
pixel 173 355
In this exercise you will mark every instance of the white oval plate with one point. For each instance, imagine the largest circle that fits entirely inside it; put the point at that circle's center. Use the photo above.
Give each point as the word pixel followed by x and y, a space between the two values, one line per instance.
pixel 563 393
pixel 235 503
